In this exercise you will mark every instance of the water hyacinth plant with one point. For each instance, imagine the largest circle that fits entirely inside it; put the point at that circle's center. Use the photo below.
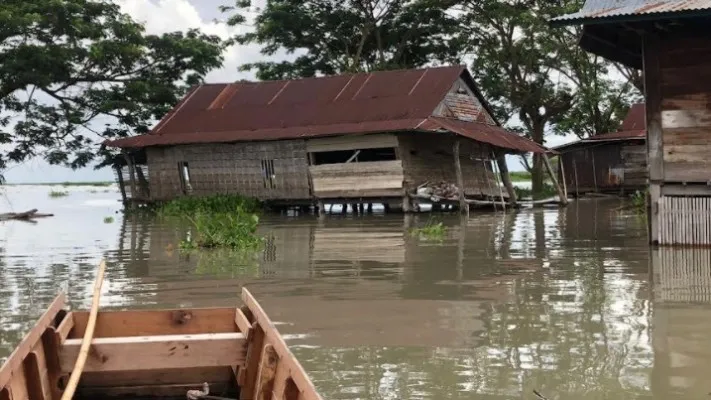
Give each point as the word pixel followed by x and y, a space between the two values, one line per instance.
pixel 430 231
pixel 224 230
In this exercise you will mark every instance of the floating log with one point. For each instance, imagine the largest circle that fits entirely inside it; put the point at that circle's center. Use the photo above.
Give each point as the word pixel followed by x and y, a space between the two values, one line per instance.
pixel 24 216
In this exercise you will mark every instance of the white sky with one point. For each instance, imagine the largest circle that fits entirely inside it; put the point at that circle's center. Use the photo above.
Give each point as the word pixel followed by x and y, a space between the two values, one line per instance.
pixel 165 16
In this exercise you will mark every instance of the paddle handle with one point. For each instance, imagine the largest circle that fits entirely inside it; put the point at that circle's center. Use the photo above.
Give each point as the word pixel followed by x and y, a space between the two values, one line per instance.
pixel 88 336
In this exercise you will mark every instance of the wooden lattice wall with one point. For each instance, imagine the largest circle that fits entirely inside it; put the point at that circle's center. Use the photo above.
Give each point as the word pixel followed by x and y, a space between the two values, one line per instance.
pixel 264 170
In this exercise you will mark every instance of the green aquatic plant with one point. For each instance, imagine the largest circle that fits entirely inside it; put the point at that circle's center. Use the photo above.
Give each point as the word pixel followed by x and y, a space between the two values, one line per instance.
pixel 108 220
pixel 235 231
pixel 57 194
pixel 215 204
pixel 430 231
pixel 639 201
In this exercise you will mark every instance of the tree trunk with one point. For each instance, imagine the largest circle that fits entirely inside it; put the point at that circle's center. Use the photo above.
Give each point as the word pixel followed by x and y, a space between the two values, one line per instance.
pixel 537 173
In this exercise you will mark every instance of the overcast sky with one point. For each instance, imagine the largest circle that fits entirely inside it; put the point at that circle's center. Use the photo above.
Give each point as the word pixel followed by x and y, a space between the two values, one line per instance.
pixel 165 16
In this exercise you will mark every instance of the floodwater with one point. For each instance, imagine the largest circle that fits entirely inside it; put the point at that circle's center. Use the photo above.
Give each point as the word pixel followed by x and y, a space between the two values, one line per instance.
pixel 568 302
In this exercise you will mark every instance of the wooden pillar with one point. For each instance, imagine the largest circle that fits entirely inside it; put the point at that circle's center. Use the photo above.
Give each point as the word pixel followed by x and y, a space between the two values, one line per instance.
pixel 463 206
pixel 131 175
pixel 321 208
pixel 562 175
pixel 370 208
pixel 594 170
pixel 506 178
pixel 653 99
pixel 386 207
pixel 121 183
pixel 561 195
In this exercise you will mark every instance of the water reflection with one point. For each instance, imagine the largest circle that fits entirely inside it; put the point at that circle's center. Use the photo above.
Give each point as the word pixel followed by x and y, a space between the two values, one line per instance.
pixel 558 300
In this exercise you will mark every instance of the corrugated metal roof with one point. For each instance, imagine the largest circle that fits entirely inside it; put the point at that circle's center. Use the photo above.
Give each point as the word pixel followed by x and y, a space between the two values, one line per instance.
pixel 313 107
pixel 491 134
pixel 632 127
pixel 631 9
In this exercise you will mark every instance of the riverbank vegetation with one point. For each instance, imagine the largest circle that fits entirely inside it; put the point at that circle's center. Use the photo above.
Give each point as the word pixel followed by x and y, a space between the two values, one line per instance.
pixel 57 194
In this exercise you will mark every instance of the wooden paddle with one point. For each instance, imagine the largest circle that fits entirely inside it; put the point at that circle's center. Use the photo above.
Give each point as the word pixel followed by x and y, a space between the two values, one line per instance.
pixel 88 336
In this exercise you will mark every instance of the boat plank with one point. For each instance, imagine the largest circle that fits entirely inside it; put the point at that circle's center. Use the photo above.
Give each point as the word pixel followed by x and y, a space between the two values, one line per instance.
pixel 248 378
pixel 15 360
pixel 280 378
pixel 65 327
pixel 158 391
pixel 152 352
pixel 163 376
pixel 242 322
pixel 267 372
pixel 273 337
pixel 156 322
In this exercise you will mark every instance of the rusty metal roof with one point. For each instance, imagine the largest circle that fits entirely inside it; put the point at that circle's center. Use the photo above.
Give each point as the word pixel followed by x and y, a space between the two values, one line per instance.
pixel 325 106
pixel 626 10
pixel 491 134
pixel 632 127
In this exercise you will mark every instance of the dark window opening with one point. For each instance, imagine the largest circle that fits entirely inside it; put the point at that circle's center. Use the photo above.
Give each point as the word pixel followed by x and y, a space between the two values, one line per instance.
pixel 184 173
pixel 348 156
pixel 268 174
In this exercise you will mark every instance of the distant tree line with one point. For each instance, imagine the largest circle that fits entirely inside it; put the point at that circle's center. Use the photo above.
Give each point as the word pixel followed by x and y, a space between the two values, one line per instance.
pixel 65 67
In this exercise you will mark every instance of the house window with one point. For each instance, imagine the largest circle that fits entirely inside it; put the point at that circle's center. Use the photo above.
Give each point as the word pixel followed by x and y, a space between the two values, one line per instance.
pixel 348 156
pixel 184 174
pixel 268 174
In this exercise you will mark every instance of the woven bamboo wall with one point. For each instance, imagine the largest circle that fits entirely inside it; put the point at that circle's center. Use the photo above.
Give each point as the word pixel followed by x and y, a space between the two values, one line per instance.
pixel 682 275
pixel 684 220
pixel 427 157
pixel 232 168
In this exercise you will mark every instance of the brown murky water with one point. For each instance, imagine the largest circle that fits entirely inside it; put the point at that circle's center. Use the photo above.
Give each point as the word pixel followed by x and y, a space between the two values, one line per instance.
pixel 569 302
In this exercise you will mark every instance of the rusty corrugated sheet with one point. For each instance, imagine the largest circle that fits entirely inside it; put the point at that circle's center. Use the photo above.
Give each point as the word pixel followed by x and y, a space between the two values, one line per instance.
pixel 490 134
pixel 631 9
pixel 296 107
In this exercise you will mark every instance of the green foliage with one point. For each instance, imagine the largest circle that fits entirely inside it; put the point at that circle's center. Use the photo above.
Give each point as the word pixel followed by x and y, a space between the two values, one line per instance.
pixel 57 194
pixel 520 176
pixel 547 191
pixel 639 201
pixel 228 262
pixel 215 204
pixel 335 36
pixel 108 220
pixel 430 231
pixel 66 65
pixel 235 231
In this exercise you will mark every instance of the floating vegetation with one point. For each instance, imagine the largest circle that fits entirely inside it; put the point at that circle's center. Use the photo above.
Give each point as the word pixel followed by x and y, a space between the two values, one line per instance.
pixel 235 231
pixel 108 220
pixel 430 231
pixel 57 193
pixel 216 204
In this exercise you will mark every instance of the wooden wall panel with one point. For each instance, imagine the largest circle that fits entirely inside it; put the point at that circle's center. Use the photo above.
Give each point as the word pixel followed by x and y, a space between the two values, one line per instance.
pixel 427 157
pixel 365 179
pixel 354 142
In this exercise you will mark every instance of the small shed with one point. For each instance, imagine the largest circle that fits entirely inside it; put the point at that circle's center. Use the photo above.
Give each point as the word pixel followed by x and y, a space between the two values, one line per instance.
pixel 671 41
pixel 374 137
pixel 613 162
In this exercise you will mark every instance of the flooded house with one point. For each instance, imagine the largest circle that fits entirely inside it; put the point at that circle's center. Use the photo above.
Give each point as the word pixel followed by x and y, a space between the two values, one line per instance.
pixel 612 162
pixel 358 138
pixel 671 42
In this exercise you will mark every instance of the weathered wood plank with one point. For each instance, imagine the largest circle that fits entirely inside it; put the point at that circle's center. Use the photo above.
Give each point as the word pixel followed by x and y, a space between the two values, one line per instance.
pixel 686 119
pixel 155 352
pixel 248 377
pixel 686 136
pixel 156 322
pixel 352 142
pixel 694 153
pixel 652 86
pixel 687 172
pixel 267 373
pixel 14 362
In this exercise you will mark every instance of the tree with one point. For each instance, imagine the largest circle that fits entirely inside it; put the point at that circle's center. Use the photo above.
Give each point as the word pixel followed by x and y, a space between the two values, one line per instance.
pixel 539 75
pixel 76 72
pixel 514 63
pixel 601 101
pixel 338 36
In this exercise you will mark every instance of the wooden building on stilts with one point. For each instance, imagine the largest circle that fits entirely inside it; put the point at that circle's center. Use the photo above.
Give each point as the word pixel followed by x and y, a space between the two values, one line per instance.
pixel 671 42
pixel 611 162
pixel 383 137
